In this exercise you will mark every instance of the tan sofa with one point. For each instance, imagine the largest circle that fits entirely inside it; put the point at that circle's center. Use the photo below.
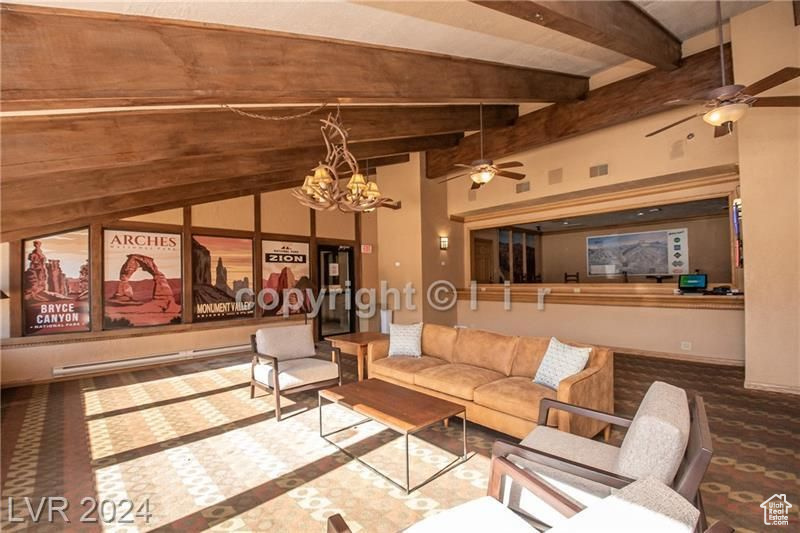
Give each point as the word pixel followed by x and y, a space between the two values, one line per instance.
pixel 492 376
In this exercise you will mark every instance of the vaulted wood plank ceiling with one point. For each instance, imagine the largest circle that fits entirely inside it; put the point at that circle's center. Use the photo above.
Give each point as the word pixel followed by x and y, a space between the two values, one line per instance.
pixel 78 145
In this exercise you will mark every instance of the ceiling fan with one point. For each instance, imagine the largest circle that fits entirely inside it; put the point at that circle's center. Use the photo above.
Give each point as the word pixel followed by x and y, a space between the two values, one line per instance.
pixel 728 103
pixel 482 171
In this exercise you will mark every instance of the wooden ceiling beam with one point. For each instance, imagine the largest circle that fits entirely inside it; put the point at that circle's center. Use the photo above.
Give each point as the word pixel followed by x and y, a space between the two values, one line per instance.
pixel 33 145
pixel 57 58
pixel 629 99
pixel 619 26
pixel 83 185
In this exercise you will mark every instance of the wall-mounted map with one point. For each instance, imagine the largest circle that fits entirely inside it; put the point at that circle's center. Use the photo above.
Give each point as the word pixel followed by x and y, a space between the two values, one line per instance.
pixel 649 253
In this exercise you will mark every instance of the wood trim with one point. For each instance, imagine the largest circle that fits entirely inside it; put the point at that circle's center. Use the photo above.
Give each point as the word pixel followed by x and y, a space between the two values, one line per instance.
pixel 16 267
pixel 616 103
pixel 796 10
pixel 618 191
pixel 313 265
pixel 689 358
pixel 358 270
pixel 130 225
pixel 96 275
pixel 769 387
pixel 258 274
pixel 65 338
pixel 619 26
pixel 641 224
pixel 617 295
pixel 187 300
pixel 197 65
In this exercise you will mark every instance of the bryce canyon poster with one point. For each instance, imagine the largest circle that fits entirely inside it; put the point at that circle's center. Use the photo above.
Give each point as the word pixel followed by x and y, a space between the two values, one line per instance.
pixel 142 279
pixel 285 265
pixel 221 267
pixel 55 283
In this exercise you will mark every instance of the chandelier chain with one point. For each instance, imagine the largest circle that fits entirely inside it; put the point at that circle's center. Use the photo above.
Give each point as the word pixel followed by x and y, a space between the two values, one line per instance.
pixel 275 118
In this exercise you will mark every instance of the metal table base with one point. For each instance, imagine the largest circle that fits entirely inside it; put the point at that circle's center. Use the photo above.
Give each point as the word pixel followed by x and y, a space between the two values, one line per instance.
pixel 408 488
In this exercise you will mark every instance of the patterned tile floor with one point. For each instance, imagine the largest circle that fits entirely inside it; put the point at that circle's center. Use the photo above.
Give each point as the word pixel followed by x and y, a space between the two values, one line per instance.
pixel 189 439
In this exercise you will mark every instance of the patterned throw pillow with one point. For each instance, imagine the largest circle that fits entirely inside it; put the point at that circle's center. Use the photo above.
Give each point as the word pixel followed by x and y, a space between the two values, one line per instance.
pixel 405 340
pixel 560 361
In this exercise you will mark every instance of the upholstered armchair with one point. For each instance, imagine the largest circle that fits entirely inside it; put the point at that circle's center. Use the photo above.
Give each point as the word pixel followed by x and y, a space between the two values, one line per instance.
pixel 285 362
pixel 668 440
pixel 643 505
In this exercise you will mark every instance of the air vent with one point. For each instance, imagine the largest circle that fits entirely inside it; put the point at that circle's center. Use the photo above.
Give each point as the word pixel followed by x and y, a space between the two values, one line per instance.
pixel 598 170
pixel 525 186
pixel 555 176
pixel 472 195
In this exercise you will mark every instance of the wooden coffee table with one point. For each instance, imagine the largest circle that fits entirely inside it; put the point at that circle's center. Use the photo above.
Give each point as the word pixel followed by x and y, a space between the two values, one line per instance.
pixel 402 410
pixel 356 344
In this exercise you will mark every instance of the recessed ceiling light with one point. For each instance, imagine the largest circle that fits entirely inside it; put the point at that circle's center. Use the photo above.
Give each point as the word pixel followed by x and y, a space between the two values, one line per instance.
pixel 655 210
pixel 640 213
pixel 565 223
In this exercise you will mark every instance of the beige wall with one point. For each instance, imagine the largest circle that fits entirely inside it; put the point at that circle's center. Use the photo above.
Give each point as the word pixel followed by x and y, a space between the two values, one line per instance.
pixel 170 216
pixel 765 40
pixel 370 266
pixel 235 213
pixel 282 214
pixel 336 225
pixel 400 234
pixel 709 250
pixel 715 335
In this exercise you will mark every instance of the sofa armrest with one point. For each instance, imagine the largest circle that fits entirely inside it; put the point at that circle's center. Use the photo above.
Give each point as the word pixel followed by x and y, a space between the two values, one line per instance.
pixel 593 387
pixel 377 350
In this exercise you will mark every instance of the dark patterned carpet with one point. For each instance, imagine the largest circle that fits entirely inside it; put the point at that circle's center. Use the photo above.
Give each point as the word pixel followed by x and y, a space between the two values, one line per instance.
pixel 189 438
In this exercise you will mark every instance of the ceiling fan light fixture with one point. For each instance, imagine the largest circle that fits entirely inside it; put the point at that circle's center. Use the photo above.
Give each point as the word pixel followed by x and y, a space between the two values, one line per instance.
pixel 483 176
pixel 725 113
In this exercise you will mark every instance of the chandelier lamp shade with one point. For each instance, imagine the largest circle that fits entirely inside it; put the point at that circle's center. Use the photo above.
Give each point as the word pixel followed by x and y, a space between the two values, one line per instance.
pixel 324 190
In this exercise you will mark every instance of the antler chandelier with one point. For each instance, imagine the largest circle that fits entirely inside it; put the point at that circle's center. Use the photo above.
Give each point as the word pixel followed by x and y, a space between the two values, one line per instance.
pixel 323 189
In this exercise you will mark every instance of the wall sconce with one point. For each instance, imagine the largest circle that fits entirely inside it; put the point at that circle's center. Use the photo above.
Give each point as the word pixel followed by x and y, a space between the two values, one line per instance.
pixel 444 242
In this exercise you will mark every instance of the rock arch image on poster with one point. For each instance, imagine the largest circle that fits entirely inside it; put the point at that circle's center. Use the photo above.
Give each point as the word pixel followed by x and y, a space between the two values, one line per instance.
pixel 221 266
pixel 55 283
pixel 141 279
pixel 285 265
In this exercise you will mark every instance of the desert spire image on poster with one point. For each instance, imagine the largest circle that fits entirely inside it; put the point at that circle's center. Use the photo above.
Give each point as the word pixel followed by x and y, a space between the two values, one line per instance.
pixel 55 283
pixel 142 279
pixel 221 267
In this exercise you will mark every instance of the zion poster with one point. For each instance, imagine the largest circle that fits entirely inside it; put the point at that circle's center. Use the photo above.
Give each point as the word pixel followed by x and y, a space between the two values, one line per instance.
pixel 285 265
pixel 55 283
pixel 142 279
pixel 221 267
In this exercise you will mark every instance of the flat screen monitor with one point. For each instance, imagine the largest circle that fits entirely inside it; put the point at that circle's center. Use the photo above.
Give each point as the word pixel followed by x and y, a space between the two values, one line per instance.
pixel 692 282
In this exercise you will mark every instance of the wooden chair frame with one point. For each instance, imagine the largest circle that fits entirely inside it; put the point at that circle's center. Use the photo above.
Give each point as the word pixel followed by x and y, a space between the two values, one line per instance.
pixel 262 358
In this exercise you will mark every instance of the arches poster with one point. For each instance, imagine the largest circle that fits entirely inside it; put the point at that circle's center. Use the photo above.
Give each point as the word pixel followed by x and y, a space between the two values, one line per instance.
pixel 142 278
pixel 55 283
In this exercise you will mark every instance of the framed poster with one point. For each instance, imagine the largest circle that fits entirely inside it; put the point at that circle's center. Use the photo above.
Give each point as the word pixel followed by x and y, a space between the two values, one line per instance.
pixel 141 279
pixel 221 267
pixel 649 253
pixel 55 283
pixel 285 266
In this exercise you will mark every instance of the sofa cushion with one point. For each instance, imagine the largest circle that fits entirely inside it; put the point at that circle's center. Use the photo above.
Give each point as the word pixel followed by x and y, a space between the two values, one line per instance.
pixel 656 440
pixel 517 396
pixel 405 339
pixel 286 342
pixel 528 355
pixel 403 368
pixel 439 341
pixel 485 349
pixel 297 372
pixel 456 379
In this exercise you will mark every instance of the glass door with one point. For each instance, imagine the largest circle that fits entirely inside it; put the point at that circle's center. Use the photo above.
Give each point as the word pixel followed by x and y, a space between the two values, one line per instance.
pixel 336 273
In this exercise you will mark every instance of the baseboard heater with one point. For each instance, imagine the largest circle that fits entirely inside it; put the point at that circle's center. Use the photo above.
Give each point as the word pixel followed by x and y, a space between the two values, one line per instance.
pixel 123 364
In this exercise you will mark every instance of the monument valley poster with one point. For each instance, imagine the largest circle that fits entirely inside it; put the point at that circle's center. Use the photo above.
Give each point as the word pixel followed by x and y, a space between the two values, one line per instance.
pixel 55 283
pixel 221 267
pixel 285 265
pixel 142 279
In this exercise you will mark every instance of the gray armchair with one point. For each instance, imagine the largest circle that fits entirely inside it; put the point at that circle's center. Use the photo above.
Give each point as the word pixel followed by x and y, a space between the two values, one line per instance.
pixel 285 362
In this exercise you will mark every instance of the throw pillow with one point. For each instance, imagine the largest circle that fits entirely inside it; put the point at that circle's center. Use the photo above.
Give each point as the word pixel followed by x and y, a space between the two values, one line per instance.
pixel 405 340
pixel 560 361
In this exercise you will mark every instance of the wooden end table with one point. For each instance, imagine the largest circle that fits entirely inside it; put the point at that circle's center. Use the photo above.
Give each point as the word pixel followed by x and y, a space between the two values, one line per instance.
pixel 402 410
pixel 356 344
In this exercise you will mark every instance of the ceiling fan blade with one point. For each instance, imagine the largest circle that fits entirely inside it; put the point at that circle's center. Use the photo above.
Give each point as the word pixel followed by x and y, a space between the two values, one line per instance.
pixel 512 175
pixel 773 80
pixel 723 130
pixel 475 185
pixel 453 178
pixel 686 101
pixel 461 165
pixel 777 101
pixel 510 164
pixel 681 121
